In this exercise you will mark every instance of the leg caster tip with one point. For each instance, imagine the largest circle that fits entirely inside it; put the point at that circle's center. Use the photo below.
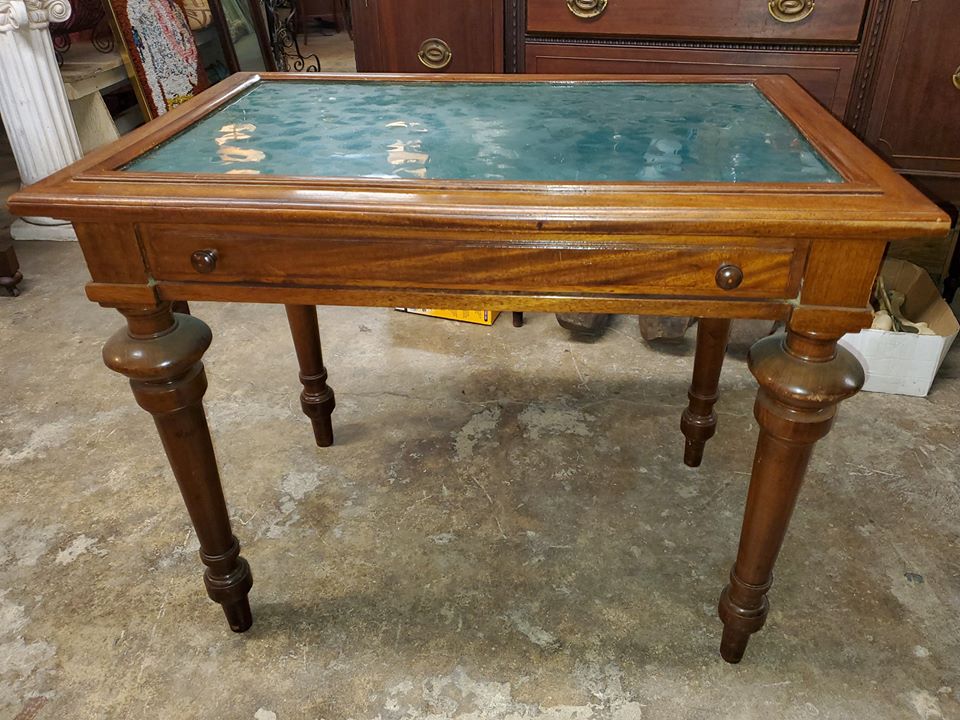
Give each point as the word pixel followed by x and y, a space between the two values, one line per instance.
pixel 733 644
pixel 693 453
pixel 322 431
pixel 238 615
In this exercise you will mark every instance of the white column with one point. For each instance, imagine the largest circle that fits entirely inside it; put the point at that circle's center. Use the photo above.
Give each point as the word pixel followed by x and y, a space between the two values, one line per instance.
pixel 33 103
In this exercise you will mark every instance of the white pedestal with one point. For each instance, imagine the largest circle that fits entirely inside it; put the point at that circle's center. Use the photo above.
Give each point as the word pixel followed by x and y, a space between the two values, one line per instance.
pixel 33 102
pixel 21 229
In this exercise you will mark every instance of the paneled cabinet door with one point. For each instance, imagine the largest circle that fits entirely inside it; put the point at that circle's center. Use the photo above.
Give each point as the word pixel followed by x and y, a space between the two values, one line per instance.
pixel 914 118
pixel 438 36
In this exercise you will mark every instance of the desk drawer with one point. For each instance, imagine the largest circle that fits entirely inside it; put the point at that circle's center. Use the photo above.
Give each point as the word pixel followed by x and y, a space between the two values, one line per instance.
pixel 747 268
pixel 836 21
pixel 828 76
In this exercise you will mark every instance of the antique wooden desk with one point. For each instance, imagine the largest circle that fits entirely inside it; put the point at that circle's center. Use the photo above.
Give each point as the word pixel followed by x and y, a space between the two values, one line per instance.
pixel 721 198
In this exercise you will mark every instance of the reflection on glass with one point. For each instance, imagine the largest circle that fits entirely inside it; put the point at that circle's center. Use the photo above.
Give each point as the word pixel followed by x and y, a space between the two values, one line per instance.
pixel 561 132
pixel 232 154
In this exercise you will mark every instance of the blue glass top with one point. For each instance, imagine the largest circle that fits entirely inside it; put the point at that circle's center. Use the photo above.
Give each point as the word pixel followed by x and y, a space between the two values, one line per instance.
pixel 561 132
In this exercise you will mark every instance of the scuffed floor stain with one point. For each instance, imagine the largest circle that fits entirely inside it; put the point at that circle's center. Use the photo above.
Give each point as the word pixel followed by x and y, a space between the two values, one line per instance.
pixel 24 665
pixel 479 428
pixel 49 436
pixel 31 708
pixel 237 409
pixel 925 704
pixel 295 486
pixel 541 420
pixel 24 543
pixel 537 635
pixel 41 439
pixel 77 547
pixel 458 696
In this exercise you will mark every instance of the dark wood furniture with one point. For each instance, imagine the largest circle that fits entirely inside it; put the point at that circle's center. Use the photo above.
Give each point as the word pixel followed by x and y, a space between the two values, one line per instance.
pixel 816 44
pixel 910 109
pixel 912 112
pixel 699 421
pixel 803 253
pixel 10 275
pixel 428 36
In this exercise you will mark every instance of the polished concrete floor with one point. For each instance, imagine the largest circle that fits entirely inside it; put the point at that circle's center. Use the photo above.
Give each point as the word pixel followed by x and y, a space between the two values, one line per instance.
pixel 504 529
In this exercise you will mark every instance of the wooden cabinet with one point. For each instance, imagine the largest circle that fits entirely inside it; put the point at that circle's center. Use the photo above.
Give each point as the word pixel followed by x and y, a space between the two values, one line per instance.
pixel 830 21
pixel 909 111
pixel 913 117
pixel 428 36
pixel 828 76
pixel 817 43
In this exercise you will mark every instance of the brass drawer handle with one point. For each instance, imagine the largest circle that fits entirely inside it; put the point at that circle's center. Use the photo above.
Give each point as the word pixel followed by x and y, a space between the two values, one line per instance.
pixel 790 11
pixel 956 79
pixel 729 277
pixel 587 8
pixel 204 261
pixel 435 54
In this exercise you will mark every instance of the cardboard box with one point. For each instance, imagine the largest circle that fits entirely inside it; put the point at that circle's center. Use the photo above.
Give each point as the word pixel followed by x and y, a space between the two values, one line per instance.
pixel 904 363
pixel 479 317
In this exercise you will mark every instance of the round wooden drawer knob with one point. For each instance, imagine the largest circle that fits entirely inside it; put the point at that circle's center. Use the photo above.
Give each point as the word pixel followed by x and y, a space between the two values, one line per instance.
pixel 729 277
pixel 205 261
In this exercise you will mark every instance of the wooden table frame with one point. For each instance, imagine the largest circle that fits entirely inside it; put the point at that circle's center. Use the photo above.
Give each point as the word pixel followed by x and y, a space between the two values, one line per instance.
pixel 807 254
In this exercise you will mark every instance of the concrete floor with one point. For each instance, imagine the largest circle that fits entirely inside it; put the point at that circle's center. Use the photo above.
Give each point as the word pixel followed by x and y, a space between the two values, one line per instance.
pixel 503 530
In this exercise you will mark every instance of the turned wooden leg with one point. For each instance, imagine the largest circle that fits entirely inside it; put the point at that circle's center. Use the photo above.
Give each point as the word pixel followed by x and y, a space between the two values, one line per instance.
pixel 160 352
pixel 317 398
pixel 802 378
pixel 699 421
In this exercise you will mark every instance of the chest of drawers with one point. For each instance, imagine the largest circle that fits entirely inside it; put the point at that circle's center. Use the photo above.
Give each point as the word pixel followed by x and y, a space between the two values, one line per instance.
pixel 789 21
pixel 817 43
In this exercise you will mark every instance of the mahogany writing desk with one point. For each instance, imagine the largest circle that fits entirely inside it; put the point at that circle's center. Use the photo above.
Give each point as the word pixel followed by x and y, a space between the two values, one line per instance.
pixel 720 198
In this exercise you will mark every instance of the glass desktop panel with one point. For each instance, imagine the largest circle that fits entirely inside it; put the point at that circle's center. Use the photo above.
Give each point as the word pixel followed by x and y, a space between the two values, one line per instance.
pixel 564 132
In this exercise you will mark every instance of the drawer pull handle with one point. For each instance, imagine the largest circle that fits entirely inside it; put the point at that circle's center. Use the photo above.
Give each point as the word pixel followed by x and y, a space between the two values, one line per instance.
pixel 956 79
pixel 204 261
pixel 435 54
pixel 729 277
pixel 587 8
pixel 790 11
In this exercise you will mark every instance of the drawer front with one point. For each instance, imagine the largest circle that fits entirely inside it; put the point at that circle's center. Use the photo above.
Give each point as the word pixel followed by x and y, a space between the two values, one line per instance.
pixel 767 270
pixel 435 36
pixel 835 21
pixel 828 76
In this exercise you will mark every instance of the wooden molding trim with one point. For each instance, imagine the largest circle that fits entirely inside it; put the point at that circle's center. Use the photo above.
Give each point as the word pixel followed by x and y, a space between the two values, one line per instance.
pixel 873 36
pixel 690 44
